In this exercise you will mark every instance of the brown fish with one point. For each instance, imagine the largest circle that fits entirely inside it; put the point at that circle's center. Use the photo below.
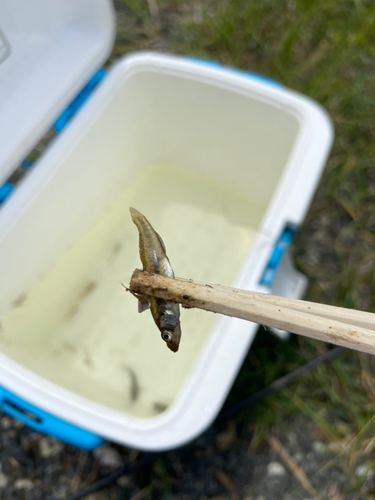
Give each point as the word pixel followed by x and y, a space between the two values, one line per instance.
pixel 154 259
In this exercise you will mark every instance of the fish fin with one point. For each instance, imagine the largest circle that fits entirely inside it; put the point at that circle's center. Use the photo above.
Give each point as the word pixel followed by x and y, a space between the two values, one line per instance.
pixel 161 242
pixel 138 296
pixel 143 302
pixel 143 306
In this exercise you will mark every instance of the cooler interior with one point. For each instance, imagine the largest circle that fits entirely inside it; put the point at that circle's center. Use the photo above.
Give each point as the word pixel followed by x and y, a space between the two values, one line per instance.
pixel 201 162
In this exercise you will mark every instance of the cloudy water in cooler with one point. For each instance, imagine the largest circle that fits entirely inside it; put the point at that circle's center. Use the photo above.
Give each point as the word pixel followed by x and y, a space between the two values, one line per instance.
pixel 79 328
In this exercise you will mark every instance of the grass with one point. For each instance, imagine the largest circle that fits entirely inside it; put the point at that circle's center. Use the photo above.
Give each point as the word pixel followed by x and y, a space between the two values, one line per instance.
pixel 325 50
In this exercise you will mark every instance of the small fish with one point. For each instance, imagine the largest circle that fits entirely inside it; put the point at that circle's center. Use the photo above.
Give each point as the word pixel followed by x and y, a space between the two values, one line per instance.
pixel 154 259
pixel 159 407
pixel 134 385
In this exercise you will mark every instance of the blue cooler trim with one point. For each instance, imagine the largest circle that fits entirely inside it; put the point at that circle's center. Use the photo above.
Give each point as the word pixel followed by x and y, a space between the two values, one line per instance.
pixel 247 74
pixel 27 164
pixel 78 101
pixel 5 190
pixel 280 247
pixel 44 422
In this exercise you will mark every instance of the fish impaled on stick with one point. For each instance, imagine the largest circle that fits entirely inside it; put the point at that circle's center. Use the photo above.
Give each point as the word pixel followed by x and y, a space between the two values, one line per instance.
pixel 154 260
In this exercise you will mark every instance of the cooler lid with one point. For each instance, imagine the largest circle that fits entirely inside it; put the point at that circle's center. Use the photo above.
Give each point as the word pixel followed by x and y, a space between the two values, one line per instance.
pixel 48 51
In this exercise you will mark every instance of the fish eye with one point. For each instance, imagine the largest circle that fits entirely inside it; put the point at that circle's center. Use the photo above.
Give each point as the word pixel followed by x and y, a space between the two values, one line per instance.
pixel 166 336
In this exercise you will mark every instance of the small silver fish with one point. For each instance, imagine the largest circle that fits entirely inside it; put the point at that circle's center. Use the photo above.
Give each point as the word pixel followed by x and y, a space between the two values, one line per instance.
pixel 154 259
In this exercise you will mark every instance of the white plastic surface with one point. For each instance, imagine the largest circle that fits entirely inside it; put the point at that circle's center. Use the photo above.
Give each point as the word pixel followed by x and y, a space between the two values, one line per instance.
pixel 267 142
pixel 289 283
pixel 48 51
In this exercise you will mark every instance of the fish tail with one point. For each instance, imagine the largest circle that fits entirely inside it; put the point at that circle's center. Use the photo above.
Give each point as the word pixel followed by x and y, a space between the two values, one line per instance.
pixel 139 220
pixel 135 214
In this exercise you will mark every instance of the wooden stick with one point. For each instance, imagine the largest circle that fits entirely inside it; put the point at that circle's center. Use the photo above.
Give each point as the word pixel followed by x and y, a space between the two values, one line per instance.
pixel 336 325
pixel 348 316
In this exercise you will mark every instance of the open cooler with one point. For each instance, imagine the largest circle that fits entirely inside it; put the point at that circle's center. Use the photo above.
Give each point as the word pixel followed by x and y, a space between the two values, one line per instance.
pixel 223 163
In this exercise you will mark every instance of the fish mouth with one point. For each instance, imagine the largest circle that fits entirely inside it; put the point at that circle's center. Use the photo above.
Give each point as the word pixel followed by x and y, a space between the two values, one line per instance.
pixel 173 346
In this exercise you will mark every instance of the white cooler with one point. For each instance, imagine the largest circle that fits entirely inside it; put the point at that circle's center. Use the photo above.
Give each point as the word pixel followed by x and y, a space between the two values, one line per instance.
pixel 222 162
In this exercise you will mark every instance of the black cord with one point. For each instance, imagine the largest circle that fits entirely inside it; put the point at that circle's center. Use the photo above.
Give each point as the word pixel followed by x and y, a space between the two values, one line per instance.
pixel 223 415
pixel 281 382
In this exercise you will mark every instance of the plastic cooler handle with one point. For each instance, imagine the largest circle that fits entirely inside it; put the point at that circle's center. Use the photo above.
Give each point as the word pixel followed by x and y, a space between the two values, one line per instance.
pixel 44 422
pixel 279 249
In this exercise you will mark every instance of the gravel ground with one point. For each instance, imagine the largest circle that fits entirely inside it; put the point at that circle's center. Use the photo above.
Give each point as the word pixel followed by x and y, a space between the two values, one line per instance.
pixel 218 465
